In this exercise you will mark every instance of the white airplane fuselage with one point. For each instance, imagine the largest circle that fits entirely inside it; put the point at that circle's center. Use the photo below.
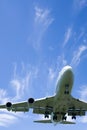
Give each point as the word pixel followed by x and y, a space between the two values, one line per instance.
pixel 63 91
pixel 65 82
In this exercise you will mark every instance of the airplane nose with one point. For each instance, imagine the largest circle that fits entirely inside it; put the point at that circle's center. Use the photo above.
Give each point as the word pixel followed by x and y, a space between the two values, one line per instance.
pixel 67 69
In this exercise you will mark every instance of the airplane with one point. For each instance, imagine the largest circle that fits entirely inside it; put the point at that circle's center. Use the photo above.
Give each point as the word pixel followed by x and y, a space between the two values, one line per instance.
pixel 54 108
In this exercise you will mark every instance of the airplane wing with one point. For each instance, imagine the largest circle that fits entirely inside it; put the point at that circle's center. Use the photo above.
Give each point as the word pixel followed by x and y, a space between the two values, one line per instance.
pixel 39 106
pixel 77 107
pixel 78 104
pixel 16 107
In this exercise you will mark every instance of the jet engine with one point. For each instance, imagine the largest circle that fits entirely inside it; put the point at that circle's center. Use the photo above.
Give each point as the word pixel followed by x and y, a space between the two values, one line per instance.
pixel 30 100
pixel 9 106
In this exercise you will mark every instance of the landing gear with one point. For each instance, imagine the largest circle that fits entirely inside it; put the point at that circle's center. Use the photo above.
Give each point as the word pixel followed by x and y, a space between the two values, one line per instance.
pixel 55 117
pixel 74 117
pixel 64 118
pixel 46 114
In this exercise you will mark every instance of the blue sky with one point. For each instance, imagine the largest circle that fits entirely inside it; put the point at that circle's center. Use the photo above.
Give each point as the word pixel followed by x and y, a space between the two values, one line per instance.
pixel 38 38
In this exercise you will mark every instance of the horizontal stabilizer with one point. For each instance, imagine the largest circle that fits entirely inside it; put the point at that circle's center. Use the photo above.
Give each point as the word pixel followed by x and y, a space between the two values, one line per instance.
pixel 43 121
pixel 49 121
pixel 67 122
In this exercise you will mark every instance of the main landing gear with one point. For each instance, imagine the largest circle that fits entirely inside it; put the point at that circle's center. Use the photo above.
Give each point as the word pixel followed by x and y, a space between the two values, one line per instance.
pixel 74 117
pixel 46 115
pixel 64 118
pixel 55 117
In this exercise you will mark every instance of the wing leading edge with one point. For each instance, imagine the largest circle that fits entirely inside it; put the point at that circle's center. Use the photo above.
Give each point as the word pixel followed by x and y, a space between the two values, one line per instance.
pixel 39 106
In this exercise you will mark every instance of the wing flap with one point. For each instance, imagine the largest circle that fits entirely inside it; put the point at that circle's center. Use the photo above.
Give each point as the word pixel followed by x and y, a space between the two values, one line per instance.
pixel 49 101
pixel 79 104
pixel 20 107
pixel 2 106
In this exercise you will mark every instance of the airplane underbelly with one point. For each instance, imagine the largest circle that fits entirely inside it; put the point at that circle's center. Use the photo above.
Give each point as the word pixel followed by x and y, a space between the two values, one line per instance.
pixel 65 84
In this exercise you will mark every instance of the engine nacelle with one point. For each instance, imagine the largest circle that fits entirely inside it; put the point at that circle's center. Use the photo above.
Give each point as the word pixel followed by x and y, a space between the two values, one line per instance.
pixel 30 100
pixel 8 106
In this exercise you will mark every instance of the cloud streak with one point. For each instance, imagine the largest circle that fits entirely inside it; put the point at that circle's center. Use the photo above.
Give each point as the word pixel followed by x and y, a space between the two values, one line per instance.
pixel 83 97
pixel 7 119
pixel 42 16
pixel 20 84
pixel 67 36
pixel 83 93
pixel 78 55
pixel 80 4
pixel 42 20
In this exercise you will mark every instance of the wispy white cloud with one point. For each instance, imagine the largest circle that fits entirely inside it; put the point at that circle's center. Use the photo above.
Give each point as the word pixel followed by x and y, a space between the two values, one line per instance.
pixel 67 35
pixel 83 119
pixel 79 36
pixel 20 84
pixel 53 70
pixel 83 97
pixel 80 4
pixel 83 93
pixel 3 96
pixel 51 74
pixel 7 119
pixel 78 55
pixel 42 20
pixel 61 61
pixel 21 81
pixel 42 16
